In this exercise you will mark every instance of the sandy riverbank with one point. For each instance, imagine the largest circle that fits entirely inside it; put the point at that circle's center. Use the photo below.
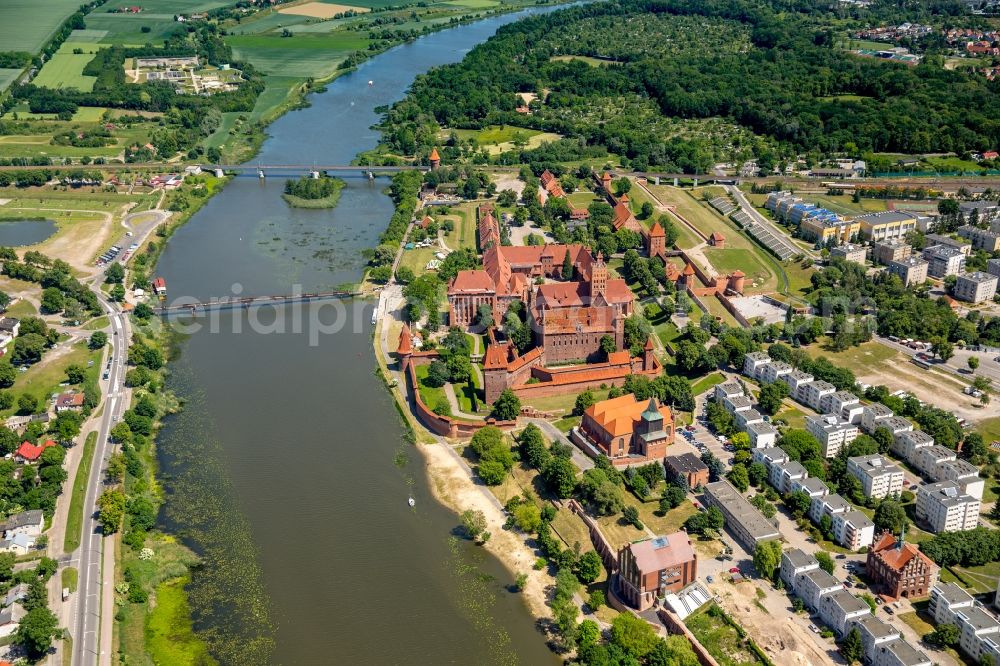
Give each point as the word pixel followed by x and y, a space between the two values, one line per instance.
pixel 452 485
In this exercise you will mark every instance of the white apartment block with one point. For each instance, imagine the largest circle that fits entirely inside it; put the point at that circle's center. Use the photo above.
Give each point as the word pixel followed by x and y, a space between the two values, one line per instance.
pixel 754 362
pixel 762 435
pixel 794 563
pixel 929 457
pixel 832 433
pixel 796 381
pixel 906 443
pixel 812 586
pixel 977 287
pixel 775 371
pixel 853 413
pixel 812 393
pixel 840 608
pixel 874 632
pixel 770 456
pixel 879 476
pixel 897 653
pixel 831 505
pixel 834 403
pixel 728 390
pixel 746 417
pixel 979 629
pixel 737 403
pixel 781 475
pixel 943 260
pixel 962 472
pixel 895 424
pixel 947 599
pixel 944 508
pixel 872 414
pixel 853 530
pixel 811 486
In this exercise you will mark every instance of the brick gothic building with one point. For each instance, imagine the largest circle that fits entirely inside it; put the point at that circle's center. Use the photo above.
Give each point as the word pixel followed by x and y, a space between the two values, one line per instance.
pixel 652 568
pixel 897 569
pixel 626 432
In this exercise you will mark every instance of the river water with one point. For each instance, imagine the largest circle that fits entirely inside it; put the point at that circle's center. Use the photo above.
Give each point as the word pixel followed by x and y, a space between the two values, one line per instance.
pixel 288 469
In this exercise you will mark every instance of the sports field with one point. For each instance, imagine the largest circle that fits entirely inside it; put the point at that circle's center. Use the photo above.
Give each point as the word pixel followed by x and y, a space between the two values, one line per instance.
pixel 65 68
pixel 25 25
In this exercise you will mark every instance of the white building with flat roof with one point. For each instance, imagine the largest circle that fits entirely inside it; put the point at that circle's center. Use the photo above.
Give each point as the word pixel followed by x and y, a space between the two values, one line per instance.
pixel 781 475
pixel 774 371
pixel 754 362
pixel 795 562
pixel 769 456
pixel 929 457
pixel 796 381
pixel 879 476
pixel 978 287
pixel 906 443
pixel 812 393
pixel 811 486
pixel 762 435
pixel 728 390
pixel 853 530
pixel 746 417
pixel 942 507
pixel 872 414
pixel 962 472
pixel 834 403
pixel 829 505
pixel 833 434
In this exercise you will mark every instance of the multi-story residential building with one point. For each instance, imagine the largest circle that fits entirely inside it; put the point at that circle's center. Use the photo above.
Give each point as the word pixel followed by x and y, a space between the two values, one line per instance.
pixel 985 211
pixel 928 458
pixel 896 425
pixel 887 224
pixel 946 600
pixel 834 403
pixel 774 371
pixel 797 381
pixel 874 632
pixel 981 239
pixel 770 456
pixel 686 466
pixel 812 393
pixel 762 435
pixel 813 585
pixel 897 569
pixel 832 433
pixel 895 249
pixel 811 486
pixel 743 520
pixel 795 562
pixel 907 443
pixel 879 476
pixel 754 363
pixel 963 246
pixel 650 569
pixel 976 287
pixel 839 608
pixel 943 261
pixel 912 270
pixel 850 252
pixel 781 475
pixel 853 413
pixel 943 507
pixel 926 222
pixel 737 403
pixel 746 417
pixel 993 267
pixel 872 414
pixel 830 505
pixel 962 472
pixel 853 530
pixel 728 389
pixel 898 653
pixel 977 627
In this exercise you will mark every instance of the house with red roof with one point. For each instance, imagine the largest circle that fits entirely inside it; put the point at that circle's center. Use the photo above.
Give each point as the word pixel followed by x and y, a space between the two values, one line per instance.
pixel 69 402
pixel 29 452
pixel 717 240
pixel 991 155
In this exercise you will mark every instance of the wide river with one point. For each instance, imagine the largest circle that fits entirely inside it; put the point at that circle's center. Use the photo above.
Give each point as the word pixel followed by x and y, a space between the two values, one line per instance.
pixel 288 469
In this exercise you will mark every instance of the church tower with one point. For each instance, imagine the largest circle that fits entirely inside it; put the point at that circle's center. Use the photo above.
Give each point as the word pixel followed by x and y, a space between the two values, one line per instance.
pixel 598 278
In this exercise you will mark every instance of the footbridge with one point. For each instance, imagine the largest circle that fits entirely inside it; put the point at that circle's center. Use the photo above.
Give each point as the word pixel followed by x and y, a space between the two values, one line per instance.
pixel 235 303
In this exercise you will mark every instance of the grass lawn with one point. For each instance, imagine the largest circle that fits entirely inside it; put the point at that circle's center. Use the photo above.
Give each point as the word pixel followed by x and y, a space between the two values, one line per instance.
pixel 861 360
pixel 565 403
pixel 501 138
pixel 70 578
pixel 793 416
pixel 705 383
pixel 74 521
pixel 23 308
pixel 464 395
pixel 96 324
pixel 417 258
pixel 728 260
pixel 989 429
pixel 42 379
pixel 716 309
pixel 567 423
pixel 429 394
pixel 720 639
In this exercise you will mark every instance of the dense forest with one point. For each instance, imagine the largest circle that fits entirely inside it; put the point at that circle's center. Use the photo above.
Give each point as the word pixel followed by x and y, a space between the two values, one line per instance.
pixel 761 65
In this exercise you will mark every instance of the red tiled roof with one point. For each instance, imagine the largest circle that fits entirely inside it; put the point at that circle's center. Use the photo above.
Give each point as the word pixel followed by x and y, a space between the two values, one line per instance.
pixel 657 231
pixel 496 355
pixel 716 236
pixel 990 155
pixel 688 269
pixel 896 558
pixel 471 281
pixel 524 360
pixel 29 451
pixel 617 291
pixel 434 155
pixel 70 400
pixel 618 416
pixel 405 344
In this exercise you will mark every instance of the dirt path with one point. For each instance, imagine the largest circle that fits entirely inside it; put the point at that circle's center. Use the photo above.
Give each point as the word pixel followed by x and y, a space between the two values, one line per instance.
pixel 80 241
pixel 934 388
pixel 452 484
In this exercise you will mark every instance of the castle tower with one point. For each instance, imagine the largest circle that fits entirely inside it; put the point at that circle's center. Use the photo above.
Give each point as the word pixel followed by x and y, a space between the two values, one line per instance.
pixel 656 241
pixel 435 159
pixel 647 355
pixel 606 182
pixel 736 281
pixel 405 348
pixel 598 277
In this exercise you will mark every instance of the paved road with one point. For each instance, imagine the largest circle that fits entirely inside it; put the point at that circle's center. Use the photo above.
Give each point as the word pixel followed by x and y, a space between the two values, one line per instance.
pixel 87 620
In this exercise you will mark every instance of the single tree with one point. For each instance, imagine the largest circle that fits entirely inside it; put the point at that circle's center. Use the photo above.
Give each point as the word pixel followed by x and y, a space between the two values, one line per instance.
pixel 507 407
pixel 473 522
pixel 826 562
pixel 851 648
pixel 973 362
pixel 767 558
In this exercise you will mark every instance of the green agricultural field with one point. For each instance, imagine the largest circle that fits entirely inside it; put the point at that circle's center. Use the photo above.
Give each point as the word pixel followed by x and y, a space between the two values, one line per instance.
pixel 278 89
pixel 127 28
pixel 65 68
pixel 87 36
pixel 304 55
pixel 25 25
pixel 7 77
pixel 472 4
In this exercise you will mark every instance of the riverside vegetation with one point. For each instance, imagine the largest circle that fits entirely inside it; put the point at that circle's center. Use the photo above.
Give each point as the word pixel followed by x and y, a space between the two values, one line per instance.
pixel 306 192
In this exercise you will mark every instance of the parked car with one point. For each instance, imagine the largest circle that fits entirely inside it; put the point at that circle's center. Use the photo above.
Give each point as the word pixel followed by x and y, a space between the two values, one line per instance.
pixel 842 556
pixel 888 610
pixel 813 628
pixel 734 570
pixel 710 579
